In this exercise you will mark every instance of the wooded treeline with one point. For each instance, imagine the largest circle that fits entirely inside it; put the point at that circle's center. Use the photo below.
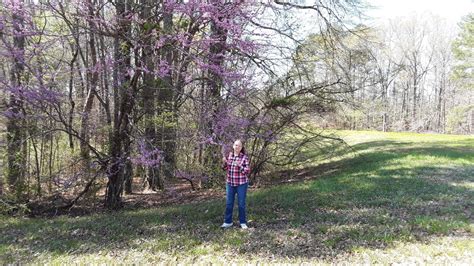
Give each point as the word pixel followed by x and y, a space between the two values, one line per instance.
pixel 96 94
pixel 412 74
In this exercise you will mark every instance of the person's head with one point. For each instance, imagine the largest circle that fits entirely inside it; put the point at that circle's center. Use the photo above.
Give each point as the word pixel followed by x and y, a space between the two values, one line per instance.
pixel 238 147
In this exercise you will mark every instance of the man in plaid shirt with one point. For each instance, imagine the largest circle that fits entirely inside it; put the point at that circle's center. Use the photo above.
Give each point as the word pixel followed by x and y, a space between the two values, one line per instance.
pixel 237 167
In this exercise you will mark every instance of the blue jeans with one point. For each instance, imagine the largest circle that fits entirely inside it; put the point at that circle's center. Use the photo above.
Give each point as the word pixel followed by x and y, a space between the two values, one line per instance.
pixel 241 191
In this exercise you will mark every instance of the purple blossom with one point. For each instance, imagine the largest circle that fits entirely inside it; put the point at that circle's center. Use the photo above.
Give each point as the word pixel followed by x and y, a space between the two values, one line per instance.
pixel 163 69
pixel 12 114
pixel 147 156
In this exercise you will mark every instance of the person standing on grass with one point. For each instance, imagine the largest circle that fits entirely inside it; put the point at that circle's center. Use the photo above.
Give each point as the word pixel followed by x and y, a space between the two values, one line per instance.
pixel 237 167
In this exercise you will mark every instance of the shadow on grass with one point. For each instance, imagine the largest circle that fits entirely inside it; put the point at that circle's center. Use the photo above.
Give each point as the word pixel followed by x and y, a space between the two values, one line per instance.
pixel 366 154
pixel 362 202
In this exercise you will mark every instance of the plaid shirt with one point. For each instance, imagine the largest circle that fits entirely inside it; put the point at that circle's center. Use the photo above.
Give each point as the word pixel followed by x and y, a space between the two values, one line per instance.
pixel 237 168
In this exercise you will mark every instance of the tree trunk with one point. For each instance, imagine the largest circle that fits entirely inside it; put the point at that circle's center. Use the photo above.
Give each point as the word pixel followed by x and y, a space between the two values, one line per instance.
pixel 439 110
pixel 471 130
pixel 166 131
pixel 212 156
pixel 114 185
pixel 415 89
pixel 384 122
pixel 50 164
pixel 123 105
pixel 91 83
pixel 149 99
pixel 37 166
pixel 16 137
pixel 106 88
pixel 405 107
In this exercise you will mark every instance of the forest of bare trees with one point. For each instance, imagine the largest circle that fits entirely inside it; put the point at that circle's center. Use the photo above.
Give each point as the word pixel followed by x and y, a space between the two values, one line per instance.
pixel 409 75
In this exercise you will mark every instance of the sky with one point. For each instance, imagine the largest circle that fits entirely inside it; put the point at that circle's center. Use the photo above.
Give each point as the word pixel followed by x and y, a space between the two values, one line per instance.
pixel 451 10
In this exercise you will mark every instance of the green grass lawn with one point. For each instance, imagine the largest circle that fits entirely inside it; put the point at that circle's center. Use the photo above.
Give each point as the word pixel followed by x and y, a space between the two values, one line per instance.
pixel 398 198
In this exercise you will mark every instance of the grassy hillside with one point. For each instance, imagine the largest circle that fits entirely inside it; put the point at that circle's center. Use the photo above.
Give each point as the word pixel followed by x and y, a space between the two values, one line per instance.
pixel 399 197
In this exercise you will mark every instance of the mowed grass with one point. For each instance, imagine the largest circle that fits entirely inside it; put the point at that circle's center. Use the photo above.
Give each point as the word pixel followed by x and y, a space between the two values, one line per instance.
pixel 396 198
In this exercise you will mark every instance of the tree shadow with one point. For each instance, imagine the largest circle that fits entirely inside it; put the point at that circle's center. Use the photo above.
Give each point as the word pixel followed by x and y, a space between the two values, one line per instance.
pixel 368 152
pixel 365 201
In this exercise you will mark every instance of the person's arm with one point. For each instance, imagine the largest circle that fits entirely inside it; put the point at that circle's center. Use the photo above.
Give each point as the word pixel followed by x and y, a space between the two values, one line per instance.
pixel 225 162
pixel 245 166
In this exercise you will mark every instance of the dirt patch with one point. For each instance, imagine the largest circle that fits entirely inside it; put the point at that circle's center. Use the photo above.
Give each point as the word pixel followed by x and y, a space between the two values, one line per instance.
pixel 176 192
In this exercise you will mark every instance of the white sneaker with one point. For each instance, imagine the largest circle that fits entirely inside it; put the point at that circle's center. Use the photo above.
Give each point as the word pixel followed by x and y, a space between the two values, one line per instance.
pixel 226 225
pixel 244 226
